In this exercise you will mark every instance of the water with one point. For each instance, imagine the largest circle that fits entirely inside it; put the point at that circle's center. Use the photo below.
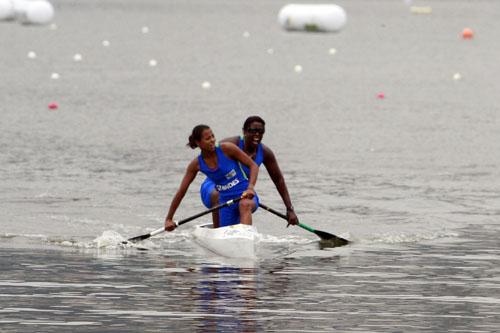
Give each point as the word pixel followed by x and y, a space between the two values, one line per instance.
pixel 432 287
pixel 412 179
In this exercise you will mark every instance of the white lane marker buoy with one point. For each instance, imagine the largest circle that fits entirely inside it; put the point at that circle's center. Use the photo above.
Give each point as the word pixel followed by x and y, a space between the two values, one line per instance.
pixel 77 57
pixel 297 68
pixel 153 62
pixel 206 85
pixel 31 55
pixel 55 76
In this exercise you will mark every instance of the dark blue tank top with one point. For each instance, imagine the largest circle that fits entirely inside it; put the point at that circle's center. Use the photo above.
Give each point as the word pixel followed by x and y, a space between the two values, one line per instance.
pixel 259 157
pixel 228 177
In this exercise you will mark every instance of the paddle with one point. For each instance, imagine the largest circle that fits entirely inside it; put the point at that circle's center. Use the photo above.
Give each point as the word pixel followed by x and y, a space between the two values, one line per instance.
pixel 326 238
pixel 186 220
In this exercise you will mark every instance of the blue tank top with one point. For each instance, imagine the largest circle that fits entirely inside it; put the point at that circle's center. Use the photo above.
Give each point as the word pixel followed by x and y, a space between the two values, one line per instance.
pixel 228 177
pixel 259 157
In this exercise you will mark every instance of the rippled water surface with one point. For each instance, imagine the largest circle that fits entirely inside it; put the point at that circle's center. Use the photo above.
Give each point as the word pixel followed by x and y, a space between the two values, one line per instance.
pixel 412 180
pixel 411 287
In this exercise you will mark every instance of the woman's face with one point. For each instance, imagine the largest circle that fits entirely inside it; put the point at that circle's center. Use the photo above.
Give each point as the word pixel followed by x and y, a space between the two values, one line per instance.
pixel 254 133
pixel 207 141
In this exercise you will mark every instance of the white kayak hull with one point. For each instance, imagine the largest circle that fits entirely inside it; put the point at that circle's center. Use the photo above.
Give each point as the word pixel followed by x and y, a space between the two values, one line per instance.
pixel 234 241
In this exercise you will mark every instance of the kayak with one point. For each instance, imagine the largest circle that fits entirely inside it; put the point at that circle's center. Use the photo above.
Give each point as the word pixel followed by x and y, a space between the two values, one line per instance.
pixel 234 241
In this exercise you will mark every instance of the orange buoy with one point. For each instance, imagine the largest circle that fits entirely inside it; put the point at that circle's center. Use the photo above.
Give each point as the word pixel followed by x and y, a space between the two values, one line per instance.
pixel 467 33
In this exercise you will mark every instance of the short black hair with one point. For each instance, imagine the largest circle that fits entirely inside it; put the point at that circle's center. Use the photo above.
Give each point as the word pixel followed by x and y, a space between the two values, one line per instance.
pixel 252 119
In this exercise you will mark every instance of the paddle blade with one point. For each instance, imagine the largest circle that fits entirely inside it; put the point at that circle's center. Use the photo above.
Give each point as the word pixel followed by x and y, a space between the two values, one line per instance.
pixel 335 242
pixel 329 240
pixel 138 238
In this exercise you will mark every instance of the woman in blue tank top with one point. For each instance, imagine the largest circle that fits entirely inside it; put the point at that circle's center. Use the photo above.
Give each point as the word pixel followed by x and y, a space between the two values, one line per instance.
pixel 223 165
pixel 251 143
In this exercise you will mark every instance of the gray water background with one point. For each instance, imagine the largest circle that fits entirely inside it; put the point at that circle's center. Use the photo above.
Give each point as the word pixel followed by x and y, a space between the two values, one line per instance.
pixel 412 179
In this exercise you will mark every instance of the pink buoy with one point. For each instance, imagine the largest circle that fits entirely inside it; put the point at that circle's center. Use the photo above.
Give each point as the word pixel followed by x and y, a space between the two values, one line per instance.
pixel 53 106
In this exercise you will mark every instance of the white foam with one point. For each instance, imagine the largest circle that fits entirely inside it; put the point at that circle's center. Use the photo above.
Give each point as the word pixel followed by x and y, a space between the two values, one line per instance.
pixel 13 235
pixel 109 239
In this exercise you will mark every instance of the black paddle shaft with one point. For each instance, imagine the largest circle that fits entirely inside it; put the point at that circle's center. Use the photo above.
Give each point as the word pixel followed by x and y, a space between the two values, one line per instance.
pixel 186 220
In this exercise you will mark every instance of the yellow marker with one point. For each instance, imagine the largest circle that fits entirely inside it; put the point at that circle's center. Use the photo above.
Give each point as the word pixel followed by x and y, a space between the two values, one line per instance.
pixel 420 10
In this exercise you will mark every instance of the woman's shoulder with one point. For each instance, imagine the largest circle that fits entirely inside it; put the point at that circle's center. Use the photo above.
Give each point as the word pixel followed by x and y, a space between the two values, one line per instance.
pixel 230 150
pixel 266 151
pixel 227 146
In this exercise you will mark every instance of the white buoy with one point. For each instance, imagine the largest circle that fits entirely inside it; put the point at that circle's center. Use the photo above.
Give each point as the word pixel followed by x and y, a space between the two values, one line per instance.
pixel 206 85
pixel 31 55
pixel 297 69
pixel 6 10
pixel 457 76
pixel 55 76
pixel 105 43
pixel 153 62
pixel 145 30
pixel 36 12
pixel 325 17
pixel 332 51
pixel 77 57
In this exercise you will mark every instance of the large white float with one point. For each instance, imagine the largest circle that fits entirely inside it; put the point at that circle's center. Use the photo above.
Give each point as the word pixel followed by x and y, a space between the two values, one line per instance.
pixel 312 17
pixel 6 10
pixel 27 11
pixel 34 12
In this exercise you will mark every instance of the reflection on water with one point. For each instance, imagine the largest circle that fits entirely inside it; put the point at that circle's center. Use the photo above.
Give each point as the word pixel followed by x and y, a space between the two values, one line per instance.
pixel 230 292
